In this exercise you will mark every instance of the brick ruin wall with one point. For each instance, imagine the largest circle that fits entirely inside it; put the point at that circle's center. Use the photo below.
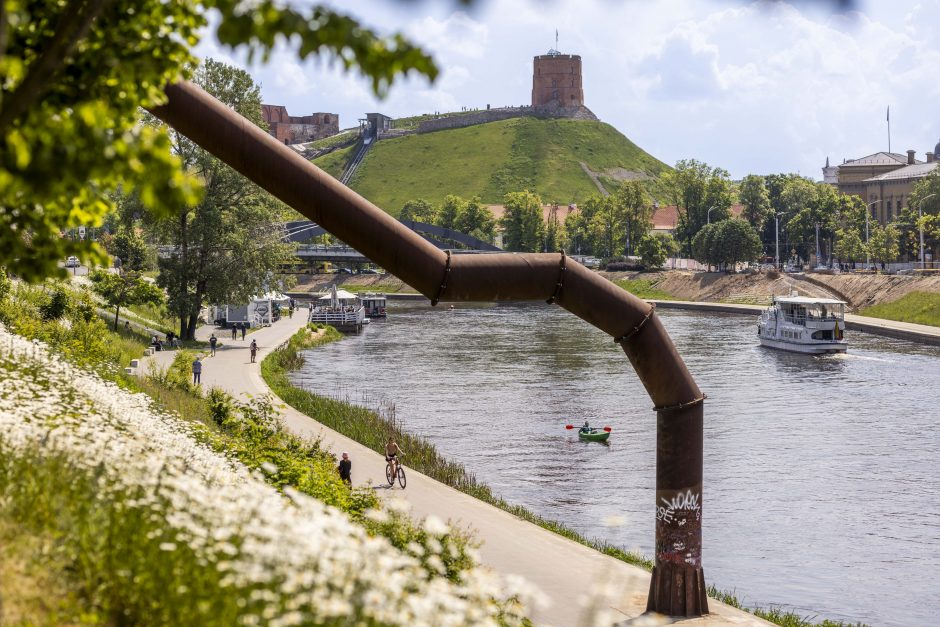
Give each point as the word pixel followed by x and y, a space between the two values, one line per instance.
pixel 297 129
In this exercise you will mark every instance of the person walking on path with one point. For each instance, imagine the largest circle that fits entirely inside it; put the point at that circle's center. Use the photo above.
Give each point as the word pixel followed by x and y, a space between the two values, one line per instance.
pixel 197 371
pixel 254 350
pixel 212 342
pixel 244 327
pixel 235 331
pixel 345 469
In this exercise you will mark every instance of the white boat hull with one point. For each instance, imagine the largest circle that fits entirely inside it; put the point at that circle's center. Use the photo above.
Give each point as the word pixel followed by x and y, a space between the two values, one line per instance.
pixel 816 348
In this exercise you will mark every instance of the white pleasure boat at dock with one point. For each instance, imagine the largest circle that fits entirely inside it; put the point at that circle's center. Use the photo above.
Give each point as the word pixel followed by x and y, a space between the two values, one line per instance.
pixel 803 325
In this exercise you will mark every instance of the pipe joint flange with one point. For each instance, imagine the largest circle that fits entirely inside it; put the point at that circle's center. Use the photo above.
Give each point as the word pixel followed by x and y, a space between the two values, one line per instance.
pixel 626 336
pixel 562 266
pixel 694 401
pixel 443 286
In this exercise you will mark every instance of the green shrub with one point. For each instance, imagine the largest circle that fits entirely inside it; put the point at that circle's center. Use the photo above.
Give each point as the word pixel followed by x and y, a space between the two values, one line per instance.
pixel 221 406
pixel 56 305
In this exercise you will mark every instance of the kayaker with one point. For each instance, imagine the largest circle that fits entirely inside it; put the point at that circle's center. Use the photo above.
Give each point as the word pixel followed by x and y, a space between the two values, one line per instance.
pixel 586 428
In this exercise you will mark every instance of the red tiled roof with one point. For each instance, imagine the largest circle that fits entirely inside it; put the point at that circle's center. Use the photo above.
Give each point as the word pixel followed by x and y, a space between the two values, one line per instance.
pixel 667 216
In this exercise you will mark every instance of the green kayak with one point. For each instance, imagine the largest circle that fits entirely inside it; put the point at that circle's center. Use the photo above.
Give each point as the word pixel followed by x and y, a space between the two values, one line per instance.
pixel 596 435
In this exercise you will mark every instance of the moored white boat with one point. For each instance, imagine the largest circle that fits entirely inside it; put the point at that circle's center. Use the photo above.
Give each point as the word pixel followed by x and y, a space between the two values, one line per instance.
pixel 374 305
pixel 340 309
pixel 804 325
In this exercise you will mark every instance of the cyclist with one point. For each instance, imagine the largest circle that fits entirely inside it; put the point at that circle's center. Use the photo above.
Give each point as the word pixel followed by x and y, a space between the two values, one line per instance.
pixel 392 451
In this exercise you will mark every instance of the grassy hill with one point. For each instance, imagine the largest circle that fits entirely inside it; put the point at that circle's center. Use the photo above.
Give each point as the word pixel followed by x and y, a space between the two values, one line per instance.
pixel 492 159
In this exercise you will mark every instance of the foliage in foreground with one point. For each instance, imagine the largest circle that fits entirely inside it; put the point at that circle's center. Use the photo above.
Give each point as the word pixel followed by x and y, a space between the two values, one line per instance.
pixel 915 307
pixel 249 433
pixel 75 75
pixel 156 528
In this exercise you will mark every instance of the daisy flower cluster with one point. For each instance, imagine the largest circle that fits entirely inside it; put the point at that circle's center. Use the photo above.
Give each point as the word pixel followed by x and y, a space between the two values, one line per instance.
pixel 166 530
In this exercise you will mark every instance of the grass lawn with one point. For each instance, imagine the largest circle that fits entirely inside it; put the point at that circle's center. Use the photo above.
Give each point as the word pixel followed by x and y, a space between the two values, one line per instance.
pixel 916 307
pixel 492 159
pixel 644 288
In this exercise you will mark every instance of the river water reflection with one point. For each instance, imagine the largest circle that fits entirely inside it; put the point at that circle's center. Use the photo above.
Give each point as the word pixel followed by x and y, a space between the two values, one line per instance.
pixel 821 491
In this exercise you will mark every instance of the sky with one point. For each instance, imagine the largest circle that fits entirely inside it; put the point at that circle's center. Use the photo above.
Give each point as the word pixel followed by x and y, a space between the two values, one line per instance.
pixel 751 87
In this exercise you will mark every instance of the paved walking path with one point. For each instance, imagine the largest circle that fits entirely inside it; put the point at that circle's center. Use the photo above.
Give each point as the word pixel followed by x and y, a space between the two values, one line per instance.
pixel 565 571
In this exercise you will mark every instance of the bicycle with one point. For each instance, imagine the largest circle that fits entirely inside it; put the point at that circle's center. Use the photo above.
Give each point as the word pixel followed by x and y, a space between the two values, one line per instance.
pixel 401 475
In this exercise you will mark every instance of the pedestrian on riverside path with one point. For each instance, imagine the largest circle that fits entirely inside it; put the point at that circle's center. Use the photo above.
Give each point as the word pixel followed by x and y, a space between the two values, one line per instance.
pixel 345 469
pixel 234 330
pixel 254 350
pixel 197 371
pixel 244 328
pixel 212 342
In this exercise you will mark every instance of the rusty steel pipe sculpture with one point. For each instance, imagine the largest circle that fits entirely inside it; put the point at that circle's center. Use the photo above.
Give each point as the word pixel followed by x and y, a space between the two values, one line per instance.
pixel 677 586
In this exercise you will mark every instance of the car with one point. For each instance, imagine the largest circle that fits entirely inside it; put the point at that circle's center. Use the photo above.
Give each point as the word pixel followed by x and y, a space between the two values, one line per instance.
pixel 72 262
pixel 345 271
pixel 368 271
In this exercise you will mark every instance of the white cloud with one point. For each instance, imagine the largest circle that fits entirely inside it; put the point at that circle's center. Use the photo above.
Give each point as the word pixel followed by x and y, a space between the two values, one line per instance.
pixel 751 87
pixel 457 35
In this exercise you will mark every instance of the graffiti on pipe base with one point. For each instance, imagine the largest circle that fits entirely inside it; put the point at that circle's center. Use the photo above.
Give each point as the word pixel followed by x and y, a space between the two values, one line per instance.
pixel 679 527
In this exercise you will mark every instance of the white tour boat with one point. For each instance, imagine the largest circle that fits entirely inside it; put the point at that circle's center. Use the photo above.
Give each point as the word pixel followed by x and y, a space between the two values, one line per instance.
pixel 375 305
pixel 803 325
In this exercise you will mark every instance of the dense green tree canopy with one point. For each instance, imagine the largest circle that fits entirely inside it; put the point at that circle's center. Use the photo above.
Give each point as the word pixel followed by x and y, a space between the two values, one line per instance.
pixel 523 228
pixel 695 187
pixel 476 220
pixel 226 248
pixel 756 200
pixel 726 243
pixel 656 248
pixel 419 210
pixel 120 289
pixel 75 73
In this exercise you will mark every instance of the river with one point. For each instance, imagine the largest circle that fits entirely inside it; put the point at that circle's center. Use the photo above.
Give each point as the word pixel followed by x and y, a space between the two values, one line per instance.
pixel 821 490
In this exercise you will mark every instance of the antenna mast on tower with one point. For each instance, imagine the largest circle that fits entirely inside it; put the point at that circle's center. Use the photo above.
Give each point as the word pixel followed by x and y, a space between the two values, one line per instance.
pixel 556 39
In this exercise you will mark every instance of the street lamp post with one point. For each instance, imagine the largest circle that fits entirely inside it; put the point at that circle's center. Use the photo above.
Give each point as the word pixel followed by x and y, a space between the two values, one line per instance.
pixel 868 215
pixel 920 216
pixel 777 238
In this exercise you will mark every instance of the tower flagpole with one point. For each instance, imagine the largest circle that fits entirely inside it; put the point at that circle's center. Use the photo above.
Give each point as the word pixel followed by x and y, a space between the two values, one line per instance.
pixel 889 127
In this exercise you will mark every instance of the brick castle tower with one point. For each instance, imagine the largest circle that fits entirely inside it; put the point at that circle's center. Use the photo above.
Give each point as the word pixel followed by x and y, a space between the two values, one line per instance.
pixel 556 80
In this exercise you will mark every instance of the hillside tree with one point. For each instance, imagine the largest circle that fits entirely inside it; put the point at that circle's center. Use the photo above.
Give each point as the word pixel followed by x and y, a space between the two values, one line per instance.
pixel 122 289
pixel 756 200
pixel 128 246
pixel 75 74
pixel 655 248
pixel 226 248
pixel 476 220
pixel 522 224
pixel 636 210
pixel 725 243
pixel 849 245
pixel 926 198
pixel 418 210
pixel 449 211
pixel 695 187
pixel 883 243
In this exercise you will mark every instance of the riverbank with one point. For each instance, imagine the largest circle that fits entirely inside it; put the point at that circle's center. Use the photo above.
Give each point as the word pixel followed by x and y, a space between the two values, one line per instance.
pixel 605 584
pixel 738 293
